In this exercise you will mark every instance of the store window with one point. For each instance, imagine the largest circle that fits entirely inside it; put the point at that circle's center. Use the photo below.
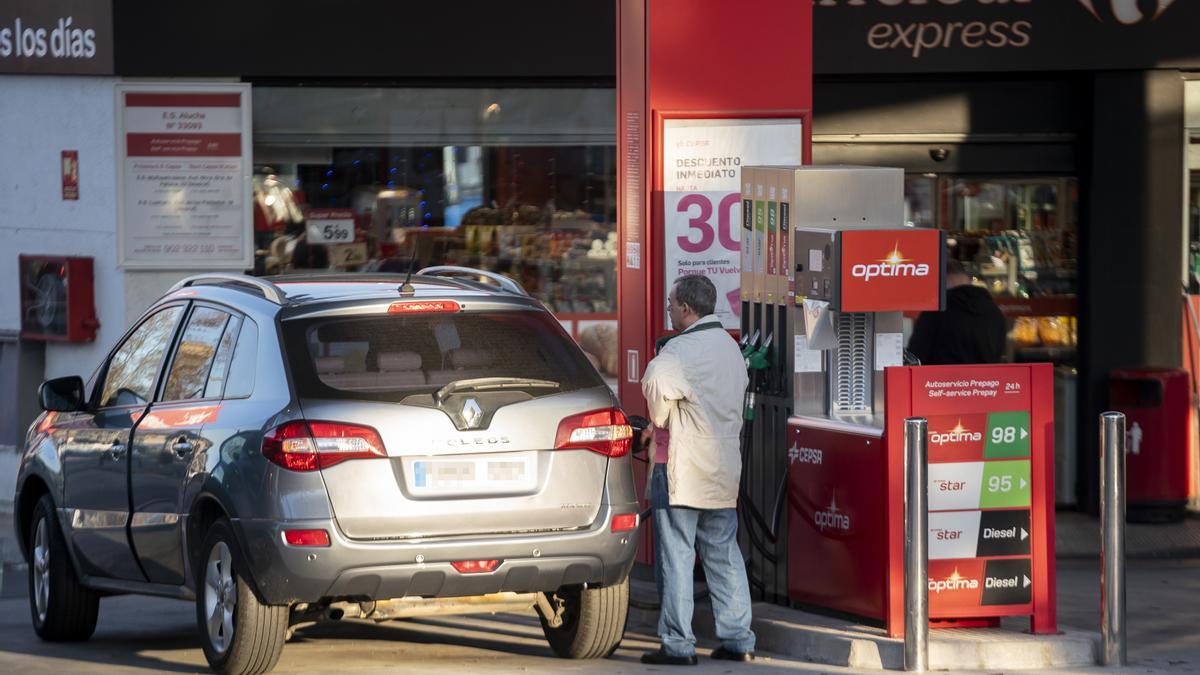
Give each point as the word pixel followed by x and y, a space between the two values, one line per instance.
pixel 920 200
pixel 517 181
pixel 1019 238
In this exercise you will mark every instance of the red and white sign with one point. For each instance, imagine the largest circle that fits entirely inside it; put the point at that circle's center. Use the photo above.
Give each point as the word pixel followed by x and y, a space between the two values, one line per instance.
pixel 957 438
pixel 891 270
pixel 966 390
pixel 185 184
pixel 990 489
pixel 702 209
pixel 70 175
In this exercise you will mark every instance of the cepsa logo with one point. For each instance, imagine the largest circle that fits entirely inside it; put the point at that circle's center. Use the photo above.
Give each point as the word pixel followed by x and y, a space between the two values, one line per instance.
pixel 804 455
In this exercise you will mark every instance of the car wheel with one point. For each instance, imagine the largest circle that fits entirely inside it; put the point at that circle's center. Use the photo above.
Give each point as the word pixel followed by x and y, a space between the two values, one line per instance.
pixel 239 634
pixel 63 609
pixel 593 621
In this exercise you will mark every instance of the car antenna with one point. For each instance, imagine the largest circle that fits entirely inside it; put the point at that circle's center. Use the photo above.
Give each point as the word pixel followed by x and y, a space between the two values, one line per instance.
pixel 407 288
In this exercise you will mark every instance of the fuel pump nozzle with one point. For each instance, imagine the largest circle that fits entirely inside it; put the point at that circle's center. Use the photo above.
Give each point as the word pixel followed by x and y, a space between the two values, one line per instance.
pixel 747 344
pixel 758 359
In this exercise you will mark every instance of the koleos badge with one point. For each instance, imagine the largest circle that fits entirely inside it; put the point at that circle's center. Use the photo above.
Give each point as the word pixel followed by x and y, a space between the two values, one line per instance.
pixel 472 414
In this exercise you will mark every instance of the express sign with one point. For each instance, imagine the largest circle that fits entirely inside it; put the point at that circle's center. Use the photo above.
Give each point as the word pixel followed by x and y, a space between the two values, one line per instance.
pixel 890 270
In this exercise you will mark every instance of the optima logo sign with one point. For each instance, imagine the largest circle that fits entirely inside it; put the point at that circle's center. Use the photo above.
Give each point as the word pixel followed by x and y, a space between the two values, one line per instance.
pixel 894 265
pixel 889 270
pixel 956 435
pixel 832 518
pixel 954 582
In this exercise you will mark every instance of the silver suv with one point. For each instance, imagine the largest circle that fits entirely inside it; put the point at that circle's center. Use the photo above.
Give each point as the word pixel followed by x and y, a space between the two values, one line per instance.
pixel 301 449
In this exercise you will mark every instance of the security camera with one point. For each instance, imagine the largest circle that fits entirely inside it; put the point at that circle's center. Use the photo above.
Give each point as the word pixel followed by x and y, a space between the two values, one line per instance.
pixel 939 154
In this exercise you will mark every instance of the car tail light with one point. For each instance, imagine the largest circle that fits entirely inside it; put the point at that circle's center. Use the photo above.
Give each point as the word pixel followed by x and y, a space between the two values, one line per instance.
pixel 604 431
pixel 306 537
pixel 424 307
pixel 625 522
pixel 309 446
pixel 474 566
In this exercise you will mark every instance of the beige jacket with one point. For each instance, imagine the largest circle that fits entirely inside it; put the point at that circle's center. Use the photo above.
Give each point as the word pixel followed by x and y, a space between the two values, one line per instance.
pixel 695 388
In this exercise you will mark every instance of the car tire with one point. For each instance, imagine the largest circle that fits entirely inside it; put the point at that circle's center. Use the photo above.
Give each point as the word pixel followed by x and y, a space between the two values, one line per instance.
pixel 63 610
pixel 244 636
pixel 593 621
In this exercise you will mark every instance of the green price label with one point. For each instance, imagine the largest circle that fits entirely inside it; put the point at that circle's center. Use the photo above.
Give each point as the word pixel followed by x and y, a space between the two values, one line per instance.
pixel 1008 435
pixel 1005 485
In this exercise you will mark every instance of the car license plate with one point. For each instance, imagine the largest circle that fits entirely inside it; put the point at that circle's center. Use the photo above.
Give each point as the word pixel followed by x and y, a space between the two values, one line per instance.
pixel 473 475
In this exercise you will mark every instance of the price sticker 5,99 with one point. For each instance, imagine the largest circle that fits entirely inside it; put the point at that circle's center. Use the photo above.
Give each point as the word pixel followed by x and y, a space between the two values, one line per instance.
pixel 330 226
pixel 331 231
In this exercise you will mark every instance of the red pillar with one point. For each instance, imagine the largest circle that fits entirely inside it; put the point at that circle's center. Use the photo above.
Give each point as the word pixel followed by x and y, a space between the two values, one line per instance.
pixel 699 59
pixel 692 59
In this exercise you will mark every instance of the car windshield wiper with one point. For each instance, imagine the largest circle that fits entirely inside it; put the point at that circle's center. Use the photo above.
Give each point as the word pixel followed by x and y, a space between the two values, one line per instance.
pixel 485 383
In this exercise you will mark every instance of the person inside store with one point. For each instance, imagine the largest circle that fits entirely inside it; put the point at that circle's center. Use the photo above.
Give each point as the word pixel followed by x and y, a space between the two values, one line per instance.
pixel 693 389
pixel 970 330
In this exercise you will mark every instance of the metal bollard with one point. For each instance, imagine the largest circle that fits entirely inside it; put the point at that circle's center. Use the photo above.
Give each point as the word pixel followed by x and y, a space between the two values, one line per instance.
pixel 916 544
pixel 1112 538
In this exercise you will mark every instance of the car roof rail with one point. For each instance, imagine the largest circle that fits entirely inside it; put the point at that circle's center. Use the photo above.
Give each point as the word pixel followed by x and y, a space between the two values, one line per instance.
pixel 454 271
pixel 269 290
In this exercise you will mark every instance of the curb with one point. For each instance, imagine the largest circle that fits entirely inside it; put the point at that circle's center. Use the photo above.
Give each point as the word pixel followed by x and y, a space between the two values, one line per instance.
pixel 836 642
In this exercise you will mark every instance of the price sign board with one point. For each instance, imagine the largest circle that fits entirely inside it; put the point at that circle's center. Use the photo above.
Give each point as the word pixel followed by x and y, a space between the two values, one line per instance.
pixel 990 483
pixel 702 208
pixel 330 226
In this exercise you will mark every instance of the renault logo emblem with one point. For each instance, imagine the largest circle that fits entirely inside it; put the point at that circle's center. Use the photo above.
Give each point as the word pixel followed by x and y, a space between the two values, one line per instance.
pixel 472 414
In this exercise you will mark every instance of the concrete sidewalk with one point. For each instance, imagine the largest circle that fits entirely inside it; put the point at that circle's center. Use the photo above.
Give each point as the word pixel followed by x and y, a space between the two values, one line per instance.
pixel 843 643
pixel 1162 603
pixel 1077 535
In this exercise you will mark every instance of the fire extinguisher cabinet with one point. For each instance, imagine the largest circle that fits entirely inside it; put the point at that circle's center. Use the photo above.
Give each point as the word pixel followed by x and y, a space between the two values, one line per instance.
pixel 1156 406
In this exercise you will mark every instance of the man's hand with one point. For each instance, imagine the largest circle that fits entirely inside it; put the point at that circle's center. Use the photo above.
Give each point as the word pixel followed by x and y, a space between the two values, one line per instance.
pixel 647 436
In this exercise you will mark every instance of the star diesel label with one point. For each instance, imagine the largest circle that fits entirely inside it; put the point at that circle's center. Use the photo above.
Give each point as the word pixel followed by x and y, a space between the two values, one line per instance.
pixel 978 534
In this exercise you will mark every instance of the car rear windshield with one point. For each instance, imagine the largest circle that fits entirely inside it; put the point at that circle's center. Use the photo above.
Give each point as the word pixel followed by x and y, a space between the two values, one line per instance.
pixel 392 357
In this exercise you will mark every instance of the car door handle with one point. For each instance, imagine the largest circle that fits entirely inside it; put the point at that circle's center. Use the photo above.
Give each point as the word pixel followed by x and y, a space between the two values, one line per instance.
pixel 182 447
pixel 116 450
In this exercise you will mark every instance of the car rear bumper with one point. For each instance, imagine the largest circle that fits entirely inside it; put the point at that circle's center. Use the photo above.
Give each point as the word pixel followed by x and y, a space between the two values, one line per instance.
pixel 384 570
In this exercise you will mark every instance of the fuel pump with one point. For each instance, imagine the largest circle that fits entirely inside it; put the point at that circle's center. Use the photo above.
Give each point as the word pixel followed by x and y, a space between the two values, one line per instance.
pixel 829 409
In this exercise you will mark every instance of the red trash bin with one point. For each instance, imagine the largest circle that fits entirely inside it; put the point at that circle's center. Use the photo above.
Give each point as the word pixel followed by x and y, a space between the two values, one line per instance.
pixel 1156 405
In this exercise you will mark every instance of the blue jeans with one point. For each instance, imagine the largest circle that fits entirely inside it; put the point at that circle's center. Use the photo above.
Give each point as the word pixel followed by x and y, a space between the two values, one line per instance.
pixel 677 532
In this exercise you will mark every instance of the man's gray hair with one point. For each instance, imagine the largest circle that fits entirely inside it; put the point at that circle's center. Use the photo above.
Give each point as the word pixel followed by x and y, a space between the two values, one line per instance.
pixel 697 292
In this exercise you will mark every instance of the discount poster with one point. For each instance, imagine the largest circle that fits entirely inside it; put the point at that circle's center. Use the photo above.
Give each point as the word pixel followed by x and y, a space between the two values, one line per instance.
pixel 702 210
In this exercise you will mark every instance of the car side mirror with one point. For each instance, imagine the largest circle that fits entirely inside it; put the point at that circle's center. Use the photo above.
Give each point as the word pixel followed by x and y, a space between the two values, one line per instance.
pixel 62 394
pixel 639 425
